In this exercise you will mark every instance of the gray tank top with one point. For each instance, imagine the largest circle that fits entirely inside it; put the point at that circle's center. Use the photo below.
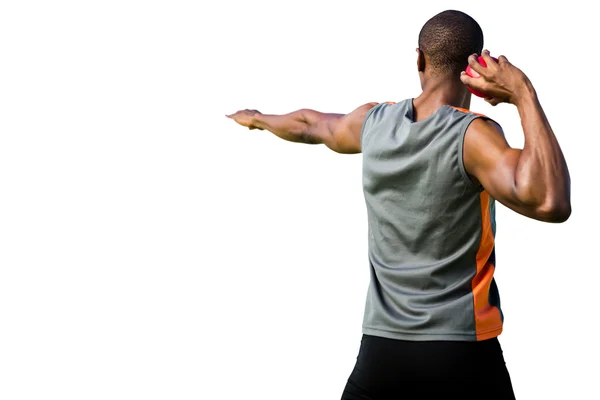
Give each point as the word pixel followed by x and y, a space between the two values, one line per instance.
pixel 431 229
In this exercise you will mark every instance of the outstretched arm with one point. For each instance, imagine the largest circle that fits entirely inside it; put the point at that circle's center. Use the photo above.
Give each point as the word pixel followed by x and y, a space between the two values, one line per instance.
pixel 533 181
pixel 339 132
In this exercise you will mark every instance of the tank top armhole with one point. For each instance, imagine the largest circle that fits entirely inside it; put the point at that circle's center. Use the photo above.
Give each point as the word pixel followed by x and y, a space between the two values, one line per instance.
pixel 461 145
pixel 364 124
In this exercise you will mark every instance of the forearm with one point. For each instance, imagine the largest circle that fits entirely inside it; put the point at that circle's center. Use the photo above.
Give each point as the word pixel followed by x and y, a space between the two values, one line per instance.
pixel 302 126
pixel 541 176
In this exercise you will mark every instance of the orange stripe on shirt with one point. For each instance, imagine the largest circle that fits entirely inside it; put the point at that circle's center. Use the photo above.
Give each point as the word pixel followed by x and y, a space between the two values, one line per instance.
pixel 488 322
pixel 467 111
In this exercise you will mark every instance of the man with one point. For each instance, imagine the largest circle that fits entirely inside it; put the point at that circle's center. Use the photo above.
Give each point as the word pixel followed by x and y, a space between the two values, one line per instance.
pixel 431 172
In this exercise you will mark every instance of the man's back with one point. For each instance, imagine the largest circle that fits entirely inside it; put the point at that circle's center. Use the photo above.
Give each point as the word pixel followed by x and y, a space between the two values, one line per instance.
pixel 431 229
pixel 432 312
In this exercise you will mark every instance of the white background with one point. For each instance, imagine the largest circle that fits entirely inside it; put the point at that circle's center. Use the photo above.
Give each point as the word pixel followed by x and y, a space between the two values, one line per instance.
pixel 150 248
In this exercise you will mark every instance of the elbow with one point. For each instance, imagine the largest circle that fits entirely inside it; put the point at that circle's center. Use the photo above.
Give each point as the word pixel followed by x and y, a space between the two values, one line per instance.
pixel 556 211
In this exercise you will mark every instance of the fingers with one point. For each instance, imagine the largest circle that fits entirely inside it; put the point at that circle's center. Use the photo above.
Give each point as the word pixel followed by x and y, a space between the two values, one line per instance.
pixel 488 64
pixel 240 113
pixel 466 79
pixel 502 60
pixel 475 66
pixel 474 83
pixel 489 61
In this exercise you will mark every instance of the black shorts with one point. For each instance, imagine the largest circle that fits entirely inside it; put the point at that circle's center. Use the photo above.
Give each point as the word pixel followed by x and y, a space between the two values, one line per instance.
pixel 406 370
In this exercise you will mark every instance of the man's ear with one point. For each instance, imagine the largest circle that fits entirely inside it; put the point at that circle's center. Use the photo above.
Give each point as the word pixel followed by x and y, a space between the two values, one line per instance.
pixel 420 60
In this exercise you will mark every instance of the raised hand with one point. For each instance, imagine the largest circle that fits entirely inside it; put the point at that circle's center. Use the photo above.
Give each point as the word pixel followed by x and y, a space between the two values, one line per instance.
pixel 501 81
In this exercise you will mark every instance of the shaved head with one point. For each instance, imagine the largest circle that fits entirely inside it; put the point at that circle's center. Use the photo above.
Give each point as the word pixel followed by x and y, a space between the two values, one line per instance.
pixel 448 39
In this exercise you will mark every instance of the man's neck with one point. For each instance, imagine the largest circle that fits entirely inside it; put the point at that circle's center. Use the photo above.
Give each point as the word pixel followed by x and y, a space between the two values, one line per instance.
pixel 437 93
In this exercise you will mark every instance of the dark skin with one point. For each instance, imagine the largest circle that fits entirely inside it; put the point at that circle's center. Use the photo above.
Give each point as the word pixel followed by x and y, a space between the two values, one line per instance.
pixel 533 181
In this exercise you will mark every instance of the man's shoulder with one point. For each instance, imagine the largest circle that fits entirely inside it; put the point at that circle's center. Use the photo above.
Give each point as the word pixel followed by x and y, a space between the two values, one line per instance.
pixel 390 106
pixel 467 111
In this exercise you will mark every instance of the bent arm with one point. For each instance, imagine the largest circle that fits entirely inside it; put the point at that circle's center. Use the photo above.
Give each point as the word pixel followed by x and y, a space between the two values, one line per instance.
pixel 533 181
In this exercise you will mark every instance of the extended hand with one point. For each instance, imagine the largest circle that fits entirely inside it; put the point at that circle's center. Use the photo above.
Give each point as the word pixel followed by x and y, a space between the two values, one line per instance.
pixel 501 81
pixel 246 118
